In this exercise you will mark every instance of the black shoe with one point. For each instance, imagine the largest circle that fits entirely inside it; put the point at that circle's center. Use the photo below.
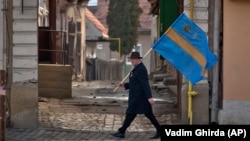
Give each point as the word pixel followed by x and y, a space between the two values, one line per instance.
pixel 119 135
pixel 156 136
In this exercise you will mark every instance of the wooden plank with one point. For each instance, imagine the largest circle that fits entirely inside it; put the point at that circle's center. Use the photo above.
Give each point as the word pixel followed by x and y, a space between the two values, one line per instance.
pixel 55 84
pixel 54 76
pixel 83 44
pixel 55 81
pixel 55 68
pixel 2 33
pixel 55 93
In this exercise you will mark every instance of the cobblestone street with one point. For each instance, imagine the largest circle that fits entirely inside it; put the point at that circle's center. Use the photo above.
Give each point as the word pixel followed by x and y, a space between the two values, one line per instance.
pixel 99 109
pixel 93 113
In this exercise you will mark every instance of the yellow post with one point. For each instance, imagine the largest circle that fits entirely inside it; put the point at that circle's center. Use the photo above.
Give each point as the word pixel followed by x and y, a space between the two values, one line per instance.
pixel 190 94
pixel 119 45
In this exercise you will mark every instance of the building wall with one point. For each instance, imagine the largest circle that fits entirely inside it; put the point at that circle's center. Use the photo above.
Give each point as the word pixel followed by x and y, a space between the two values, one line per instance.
pixel 236 32
pixel 146 43
pixel 24 41
pixel 200 101
pixel 103 51
pixel 24 64
pixel 1 35
pixel 93 32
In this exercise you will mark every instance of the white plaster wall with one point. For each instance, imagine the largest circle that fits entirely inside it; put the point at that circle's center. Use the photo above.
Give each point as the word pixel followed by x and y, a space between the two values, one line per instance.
pixel 24 64
pixel 25 41
pixel 200 15
pixel 145 41
pixel 154 36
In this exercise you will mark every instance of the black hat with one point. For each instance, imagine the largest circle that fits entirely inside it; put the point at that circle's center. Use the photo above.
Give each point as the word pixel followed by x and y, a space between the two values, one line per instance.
pixel 135 55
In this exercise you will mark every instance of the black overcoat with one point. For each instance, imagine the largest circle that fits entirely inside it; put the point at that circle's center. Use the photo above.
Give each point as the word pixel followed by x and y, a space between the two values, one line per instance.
pixel 139 91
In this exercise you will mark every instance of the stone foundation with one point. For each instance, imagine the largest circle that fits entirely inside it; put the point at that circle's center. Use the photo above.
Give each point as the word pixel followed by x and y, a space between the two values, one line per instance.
pixel 24 106
pixel 235 112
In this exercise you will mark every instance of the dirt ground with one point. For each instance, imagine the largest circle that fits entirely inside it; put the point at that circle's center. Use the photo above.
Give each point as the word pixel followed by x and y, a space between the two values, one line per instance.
pixel 95 106
pixel 101 97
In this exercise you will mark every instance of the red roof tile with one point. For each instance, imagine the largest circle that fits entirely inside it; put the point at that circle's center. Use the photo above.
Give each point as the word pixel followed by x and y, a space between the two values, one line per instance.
pixel 96 22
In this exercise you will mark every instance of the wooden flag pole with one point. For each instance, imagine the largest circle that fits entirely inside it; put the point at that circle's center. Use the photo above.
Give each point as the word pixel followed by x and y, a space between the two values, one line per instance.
pixel 129 73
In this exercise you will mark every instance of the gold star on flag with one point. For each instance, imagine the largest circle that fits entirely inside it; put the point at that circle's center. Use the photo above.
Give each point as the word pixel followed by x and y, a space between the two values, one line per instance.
pixel 186 28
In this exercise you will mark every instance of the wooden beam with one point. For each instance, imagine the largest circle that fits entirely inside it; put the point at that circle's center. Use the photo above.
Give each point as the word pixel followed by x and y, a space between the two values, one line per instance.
pixel 52 24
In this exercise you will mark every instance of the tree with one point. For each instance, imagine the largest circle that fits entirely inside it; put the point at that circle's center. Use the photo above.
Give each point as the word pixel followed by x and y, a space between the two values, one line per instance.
pixel 123 23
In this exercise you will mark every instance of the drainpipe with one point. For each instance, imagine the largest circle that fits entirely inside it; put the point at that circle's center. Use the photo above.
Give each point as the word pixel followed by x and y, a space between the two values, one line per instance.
pixel 216 36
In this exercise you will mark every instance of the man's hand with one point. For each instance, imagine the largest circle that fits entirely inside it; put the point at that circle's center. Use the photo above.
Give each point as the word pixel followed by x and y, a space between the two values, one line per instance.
pixel 121 85
pixel 151 101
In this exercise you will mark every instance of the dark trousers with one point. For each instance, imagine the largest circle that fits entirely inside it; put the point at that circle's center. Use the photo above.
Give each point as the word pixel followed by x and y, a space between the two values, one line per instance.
pixel 130 117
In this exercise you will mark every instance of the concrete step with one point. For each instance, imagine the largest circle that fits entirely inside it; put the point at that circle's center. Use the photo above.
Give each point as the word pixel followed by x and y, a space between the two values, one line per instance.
pixel 159 85
pixel 171 80
pixel 159 77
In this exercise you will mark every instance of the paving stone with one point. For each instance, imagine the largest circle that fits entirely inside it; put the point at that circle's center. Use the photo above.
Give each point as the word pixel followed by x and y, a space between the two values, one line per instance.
pixel 87 119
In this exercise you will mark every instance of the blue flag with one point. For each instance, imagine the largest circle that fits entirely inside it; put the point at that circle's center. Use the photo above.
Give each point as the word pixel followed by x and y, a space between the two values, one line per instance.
pixel 185 46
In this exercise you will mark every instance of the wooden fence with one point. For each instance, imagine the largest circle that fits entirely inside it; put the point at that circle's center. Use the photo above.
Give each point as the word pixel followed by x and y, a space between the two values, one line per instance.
pixel 103 70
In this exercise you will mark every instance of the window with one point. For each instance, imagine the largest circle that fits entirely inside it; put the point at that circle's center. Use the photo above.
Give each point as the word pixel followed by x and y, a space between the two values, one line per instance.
pixel 43 14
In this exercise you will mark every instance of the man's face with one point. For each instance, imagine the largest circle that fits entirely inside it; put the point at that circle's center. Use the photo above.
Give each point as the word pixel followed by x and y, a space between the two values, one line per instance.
pixel 134 61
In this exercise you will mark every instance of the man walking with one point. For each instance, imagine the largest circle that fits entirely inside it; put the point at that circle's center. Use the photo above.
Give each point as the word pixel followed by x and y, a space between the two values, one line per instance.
pixel 140 97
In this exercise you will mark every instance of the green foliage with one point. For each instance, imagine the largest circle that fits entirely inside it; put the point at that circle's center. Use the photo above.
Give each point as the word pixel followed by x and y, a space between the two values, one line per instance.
pixel 123 23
